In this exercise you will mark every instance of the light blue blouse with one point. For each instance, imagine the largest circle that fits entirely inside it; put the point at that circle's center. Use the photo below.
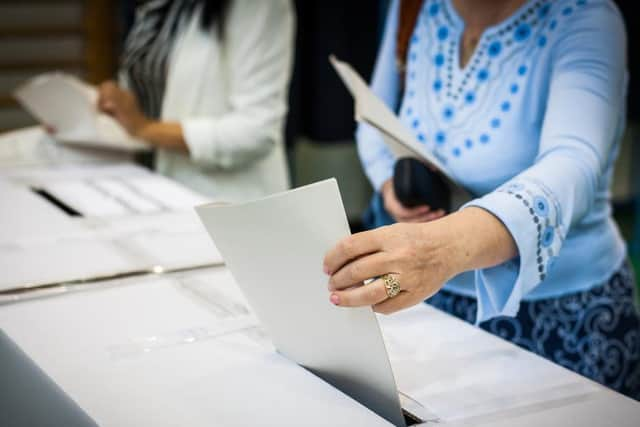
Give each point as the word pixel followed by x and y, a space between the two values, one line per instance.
pixel 530 125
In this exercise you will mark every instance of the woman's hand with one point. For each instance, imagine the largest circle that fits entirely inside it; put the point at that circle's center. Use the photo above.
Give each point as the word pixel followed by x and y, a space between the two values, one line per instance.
pixel 404 214
pixel 421 256
pixel 416 254
pixel 123 106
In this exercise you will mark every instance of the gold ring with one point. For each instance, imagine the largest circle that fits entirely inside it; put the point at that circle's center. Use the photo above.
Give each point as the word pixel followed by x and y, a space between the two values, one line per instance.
pixel 391 285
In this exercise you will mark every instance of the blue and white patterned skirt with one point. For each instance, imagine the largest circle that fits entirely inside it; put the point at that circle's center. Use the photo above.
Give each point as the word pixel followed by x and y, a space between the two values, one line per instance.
pixel 595 333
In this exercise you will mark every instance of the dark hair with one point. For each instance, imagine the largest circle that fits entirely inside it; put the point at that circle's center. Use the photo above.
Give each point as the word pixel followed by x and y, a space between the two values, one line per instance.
pixel 214 12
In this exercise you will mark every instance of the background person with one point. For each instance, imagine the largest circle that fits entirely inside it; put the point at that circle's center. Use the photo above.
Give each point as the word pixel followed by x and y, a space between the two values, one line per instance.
pixel 205 82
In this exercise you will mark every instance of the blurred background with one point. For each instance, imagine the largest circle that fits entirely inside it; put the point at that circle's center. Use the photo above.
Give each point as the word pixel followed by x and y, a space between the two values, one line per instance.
pixel 84 37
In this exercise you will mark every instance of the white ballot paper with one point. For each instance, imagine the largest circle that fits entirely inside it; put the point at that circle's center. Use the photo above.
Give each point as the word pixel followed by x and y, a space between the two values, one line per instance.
pixel 371 110
pixel 69 105
pixel 274 248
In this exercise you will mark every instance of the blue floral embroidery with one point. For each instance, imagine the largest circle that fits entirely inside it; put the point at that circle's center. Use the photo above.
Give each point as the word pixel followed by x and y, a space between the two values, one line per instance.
pixel 448 113
pixel 541 206
pixel 494 49
pixel 547 226
pixel 544 10
pixel 483 75
pixel 530 28
pixel 542 41
pixel 443 33
pixel 522 70
pixel 547 236
pixel 439 60
pixel 522 32
pixel 469 97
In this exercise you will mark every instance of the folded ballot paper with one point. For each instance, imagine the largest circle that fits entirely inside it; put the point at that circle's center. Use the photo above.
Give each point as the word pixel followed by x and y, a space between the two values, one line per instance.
pixel 274 248
pixel 371 110
pixel 69 105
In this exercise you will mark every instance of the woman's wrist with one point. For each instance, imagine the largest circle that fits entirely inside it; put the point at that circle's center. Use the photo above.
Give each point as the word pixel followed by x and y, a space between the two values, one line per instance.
pixel 475 239
pixel 141 126
pixel 445 246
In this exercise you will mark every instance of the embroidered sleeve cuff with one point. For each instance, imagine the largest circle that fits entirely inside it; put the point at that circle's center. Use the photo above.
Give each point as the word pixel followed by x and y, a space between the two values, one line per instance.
pixel 531 215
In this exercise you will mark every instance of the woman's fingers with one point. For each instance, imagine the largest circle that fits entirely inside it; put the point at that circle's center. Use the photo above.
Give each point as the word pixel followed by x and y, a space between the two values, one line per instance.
pixel 427 217
pixel 106 95
pixel 371 294
pixel 404 213
pixel 361 269
pixel 350 248
pixel 397 303
pixel 399 211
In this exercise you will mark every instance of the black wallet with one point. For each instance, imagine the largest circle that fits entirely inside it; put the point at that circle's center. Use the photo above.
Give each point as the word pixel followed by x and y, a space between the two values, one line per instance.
pixel 415 184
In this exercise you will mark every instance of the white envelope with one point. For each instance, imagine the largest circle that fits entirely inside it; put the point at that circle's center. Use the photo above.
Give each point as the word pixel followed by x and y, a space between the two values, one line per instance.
pixel 274 248
pixel 69 105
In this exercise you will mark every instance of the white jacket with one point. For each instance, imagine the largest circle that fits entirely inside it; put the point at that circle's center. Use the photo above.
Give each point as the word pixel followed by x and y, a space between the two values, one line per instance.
pixel 231 100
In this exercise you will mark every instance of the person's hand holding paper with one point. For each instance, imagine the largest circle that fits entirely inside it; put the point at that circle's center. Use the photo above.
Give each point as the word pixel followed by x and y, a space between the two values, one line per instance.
pixel 122 105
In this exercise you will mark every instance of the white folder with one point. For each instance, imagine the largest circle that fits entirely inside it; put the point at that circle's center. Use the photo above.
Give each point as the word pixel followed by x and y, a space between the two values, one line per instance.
pixel 371 110
pixel 274 248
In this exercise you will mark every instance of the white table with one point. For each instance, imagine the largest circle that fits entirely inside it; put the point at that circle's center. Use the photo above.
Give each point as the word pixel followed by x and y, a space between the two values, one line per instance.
pixel 184 349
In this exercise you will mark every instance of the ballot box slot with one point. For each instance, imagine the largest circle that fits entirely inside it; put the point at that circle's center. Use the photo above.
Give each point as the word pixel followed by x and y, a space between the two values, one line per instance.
pixel 410 419
pixel 56 202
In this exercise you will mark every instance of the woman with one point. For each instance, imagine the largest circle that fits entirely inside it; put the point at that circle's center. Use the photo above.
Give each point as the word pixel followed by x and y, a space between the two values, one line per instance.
pixel 524 102
pixel 205 83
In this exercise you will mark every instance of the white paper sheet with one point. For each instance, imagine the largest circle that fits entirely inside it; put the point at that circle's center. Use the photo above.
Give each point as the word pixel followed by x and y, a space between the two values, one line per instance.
pixel 69 105
pixel 150 352
pixel 371 110
pixel 166 193
pixel 274 247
